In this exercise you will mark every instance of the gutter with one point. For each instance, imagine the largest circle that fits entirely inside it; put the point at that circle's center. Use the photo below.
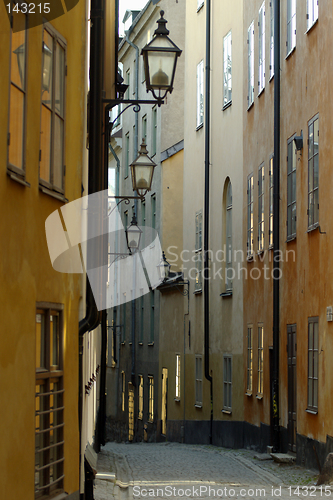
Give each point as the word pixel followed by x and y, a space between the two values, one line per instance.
pixel 206 216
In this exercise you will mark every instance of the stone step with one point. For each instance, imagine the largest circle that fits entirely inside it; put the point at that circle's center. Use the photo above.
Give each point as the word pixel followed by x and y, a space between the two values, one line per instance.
pixel 283 458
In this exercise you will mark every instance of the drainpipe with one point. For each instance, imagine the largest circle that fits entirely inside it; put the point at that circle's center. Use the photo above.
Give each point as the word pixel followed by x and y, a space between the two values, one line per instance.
pixel 185 314
pixel 136 48
pixel 206 217
pixel 275 431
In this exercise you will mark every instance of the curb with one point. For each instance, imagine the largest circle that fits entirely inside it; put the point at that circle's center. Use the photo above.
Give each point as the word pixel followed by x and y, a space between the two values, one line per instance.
pixel 266 476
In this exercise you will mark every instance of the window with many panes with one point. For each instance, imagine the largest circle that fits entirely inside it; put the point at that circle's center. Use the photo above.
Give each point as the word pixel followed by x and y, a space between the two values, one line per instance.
pixel 227 383
pixel 249 358
pixel 198 380
pixel 313 172
pixel 49 400
pixel 313 360
pixel 311 12
pixel 261 26
pixel 260 386
pixel 200 96
pixel 291 189
pixel 270 231
pixel 142 311
pixel 198 250
pixel 123 389
pixel 17 96
pixel 228 228
pixel 261 208
pixel 250 64
pixel 52 151
pixel 291 25
pixel 271 39
pixel 151 398
pixel 144 129
pixel 140 394
pixel 127 154
pixel 152 316
pixel 250 215
pixel 227 82
pixel 178 376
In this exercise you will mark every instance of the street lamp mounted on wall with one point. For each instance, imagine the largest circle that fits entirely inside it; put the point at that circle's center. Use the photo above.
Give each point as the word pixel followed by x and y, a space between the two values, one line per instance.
pixel 164 268
pixel 133 235
pixel 142 170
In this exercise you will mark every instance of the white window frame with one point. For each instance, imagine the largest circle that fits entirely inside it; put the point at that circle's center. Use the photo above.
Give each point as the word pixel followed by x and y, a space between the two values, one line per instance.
pixel 250 219
pixel 291 26
pixel 140 398
pixel 313 182
pixel 262 59
pixel 198 380
pixel 291 189
pixel 200 95
pixel 261 208
pixel 250 64
pixel 151 398
pixel 271 41
pixel 200 4
pixel 198 251
pixel 313 363
pixel 228 226
pixel 311 12
pixel 249 379
pixel 270 229
pixel 227 70
pixel 177 377
pixel 227 383
pixel 260 385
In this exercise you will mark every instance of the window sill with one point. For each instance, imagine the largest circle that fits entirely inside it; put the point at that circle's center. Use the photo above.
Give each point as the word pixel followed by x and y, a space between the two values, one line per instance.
pixel 260 252
pixel 290 52
pixel 130 343
pixel 200 6
pixel 313 227
pixel 197 405
pixel 261 92
pixel 313 412
pixel 271 79
pixel 197 292
pixel 224 295
pixel 53 194
pixel 123 342
pixel 18 179
pixel 291 238
pixel 250 106
pixel 140 343
pixel 227 105
pixel 259 396
pixel 270 247
pixel 199 127
pixel 312 26
pixel 177 400
pixel 250 258
pixel 248 394
pixel 150 344
pixel 227 412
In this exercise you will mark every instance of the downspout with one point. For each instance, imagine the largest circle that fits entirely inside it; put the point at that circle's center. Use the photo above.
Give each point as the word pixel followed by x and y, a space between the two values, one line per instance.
pixel 185 314
pixel 276 232
pixel 206 217
pixel 136 48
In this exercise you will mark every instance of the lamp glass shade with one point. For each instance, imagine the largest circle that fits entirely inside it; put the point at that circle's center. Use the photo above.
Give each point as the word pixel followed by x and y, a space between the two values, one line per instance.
pixel 47 67
pixel 142 170
pixel 164 268
pixel 133 237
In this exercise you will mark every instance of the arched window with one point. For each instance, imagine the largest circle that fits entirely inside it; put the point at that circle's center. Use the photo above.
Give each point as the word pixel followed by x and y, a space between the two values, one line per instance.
pixel 228 241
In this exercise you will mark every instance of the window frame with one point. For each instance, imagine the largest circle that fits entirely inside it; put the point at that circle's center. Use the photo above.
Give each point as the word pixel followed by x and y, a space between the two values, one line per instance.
pixel 227 70
pixel 228 238
pixel 291 26
pixel 250 65
pixel 315 189
pixel 260 382
pixel 151 398
pixel 313 375
pixel 312 5
pixel 57 39
pixel 198 251
pixel 249 368
pixel 227 383
pixel 123 390
pixel 261 52
pixel 140 397
pixel 261 208
pixel 250 217
pixel 11 168
pixel 154 131
pixel 271 201
pixel 198 380
pixel 178 378
pixel 200 95
pixel 271 41
pixel 291 191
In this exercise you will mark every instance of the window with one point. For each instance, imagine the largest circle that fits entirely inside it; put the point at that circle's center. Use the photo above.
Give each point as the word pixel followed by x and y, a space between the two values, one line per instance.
pixel 143 222
pixel 152 316
pixel 198 250
pixel 313 334
pixel 227 88
pixel 123 389
pixel 140 405
pixel 177 376
pixel 249 359
pixel 52 164
pixel 127 153
pixel 291 189
pixel 135 143
pixel 291 25
pixel 261 76
pixel 250 64
pixel 250 215
pixel 270 238
pixel 271 41
pixel 151 398
pixel 261 209
pixel 123 331
pixel 49 416
pixel 142 310
pixel 228 226
pixel 200 97
pixel 144 129
pixel 153 211
pixel 313 169
pixel 198 380
pixel 227 383
pixel 17 97
pixel 200 4
pixel 128 82
pixel 312 12
pixel 154 145
pixel 260 359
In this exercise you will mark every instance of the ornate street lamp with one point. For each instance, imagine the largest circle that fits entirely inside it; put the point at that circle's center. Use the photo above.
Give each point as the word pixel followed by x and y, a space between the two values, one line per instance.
pixel 133 235
pixel 164 268
pixel 142 170
pixel 160 60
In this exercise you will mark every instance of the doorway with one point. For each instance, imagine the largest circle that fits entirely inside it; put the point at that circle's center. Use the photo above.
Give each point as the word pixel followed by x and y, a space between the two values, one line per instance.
pixel 292 398
pixel 164 399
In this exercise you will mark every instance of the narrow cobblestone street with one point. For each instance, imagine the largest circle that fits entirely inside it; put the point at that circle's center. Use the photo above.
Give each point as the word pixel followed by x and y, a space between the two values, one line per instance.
pixel 173 470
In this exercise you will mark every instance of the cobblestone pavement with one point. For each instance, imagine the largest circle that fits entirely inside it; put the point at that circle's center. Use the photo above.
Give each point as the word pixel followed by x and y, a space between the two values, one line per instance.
pixel 173 470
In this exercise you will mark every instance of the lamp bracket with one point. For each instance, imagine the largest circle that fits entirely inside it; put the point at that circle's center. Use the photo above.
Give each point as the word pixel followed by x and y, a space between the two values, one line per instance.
pixel 135 103
pixel 126 199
